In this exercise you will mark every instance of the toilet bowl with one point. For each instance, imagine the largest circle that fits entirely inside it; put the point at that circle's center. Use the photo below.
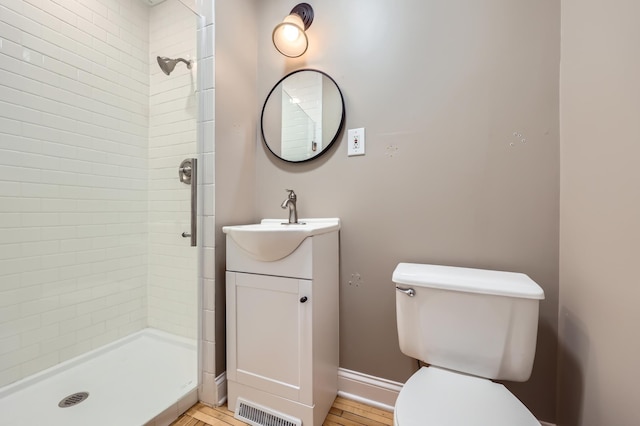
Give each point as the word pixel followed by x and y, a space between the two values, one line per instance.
pixel 471 326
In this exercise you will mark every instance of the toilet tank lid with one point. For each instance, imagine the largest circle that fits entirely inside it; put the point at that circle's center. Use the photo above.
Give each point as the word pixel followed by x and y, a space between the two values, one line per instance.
pixel 482 281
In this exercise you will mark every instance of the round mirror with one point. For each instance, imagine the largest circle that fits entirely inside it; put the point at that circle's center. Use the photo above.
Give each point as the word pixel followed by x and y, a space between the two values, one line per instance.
pixel 302 116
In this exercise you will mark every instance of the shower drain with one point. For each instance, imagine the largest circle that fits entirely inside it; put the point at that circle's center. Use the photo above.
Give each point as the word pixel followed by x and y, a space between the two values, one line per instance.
pixel 74 399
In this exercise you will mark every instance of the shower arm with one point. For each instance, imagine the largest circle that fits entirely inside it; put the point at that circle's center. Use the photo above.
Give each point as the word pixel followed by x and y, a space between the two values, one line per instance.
pixel 185 61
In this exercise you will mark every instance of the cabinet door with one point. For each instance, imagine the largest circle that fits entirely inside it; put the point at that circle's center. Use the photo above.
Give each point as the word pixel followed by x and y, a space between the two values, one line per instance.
pixel 269 334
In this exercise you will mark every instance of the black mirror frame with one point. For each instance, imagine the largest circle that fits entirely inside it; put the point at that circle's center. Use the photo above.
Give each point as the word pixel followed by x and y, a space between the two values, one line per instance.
pixel 338 131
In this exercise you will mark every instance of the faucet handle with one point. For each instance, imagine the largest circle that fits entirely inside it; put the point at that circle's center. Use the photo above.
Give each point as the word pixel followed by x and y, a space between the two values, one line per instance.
pixel 292 195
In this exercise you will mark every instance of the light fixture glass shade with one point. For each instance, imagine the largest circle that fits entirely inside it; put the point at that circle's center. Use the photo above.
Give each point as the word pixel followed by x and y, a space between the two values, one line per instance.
pixel 289 36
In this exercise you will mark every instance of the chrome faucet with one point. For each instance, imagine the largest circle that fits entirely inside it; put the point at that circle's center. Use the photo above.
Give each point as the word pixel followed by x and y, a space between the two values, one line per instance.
pixel 290 202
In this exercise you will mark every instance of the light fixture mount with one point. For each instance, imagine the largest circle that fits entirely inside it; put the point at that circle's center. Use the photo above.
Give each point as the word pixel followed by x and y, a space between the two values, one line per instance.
pixel 305 12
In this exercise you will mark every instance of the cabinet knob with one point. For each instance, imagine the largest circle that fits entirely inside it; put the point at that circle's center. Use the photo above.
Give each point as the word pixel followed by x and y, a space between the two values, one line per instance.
pixel 303 299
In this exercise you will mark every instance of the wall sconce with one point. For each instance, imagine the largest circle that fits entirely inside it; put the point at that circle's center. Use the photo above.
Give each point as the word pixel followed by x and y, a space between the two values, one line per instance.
pixel 289 36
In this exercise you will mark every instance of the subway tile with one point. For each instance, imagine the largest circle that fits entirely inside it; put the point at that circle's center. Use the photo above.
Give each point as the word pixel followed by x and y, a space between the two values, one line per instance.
pixel 78 8
pixel 207 10
pixel 209 168
pixel 208 357
pixel 32 11
pixel 10 344
pixel 9 189
pixel 56 233
pixel 38 248
pixel 71 31
pixel 10 375
pixel 22 144
pixel 19 82
pixel 57 260
pixel 208 271
pixel 55 287
pixel 74 60
pixel 209 79
pixel 74 271
pixel 54 344
pixel 75 350
pixel 13 5
pixel 40 305
pixel 88 52
pixel 40 334
pixel 8 32
pixel 208 104
pixel 208 232
pixel 96 6
pixel 19 113
pixel 40 363
pixel 20 235
pixel 209 36
pixel 9 220
pixel 12 285
pixel 58 42
pixel 20 356
pixel 17 266
pixel 118 43
pixel 20 325
pixel 57 11
pixel 104 314
pixel 60 314
pixel 58 67
pixel 91 29
pixel 9 314
pixel 106 24
pixel 40 219
pixel 91 331
pixel 104 338
pixel 208 295
pixel 10 126
pixel 12 15
pixel 208 389
pixel 78 110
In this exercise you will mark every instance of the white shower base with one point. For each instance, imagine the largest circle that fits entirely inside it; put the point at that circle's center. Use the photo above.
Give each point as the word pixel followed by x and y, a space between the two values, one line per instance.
pixel 148 378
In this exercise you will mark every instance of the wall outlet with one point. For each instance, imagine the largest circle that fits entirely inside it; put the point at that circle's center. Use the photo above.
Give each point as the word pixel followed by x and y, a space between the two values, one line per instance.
pixel 355 145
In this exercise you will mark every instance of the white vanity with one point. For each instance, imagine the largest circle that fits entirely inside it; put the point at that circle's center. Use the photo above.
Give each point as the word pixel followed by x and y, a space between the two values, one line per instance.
pixel 282 320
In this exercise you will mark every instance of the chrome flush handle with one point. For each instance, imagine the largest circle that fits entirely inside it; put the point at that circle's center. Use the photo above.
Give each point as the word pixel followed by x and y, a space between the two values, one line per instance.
pixel 408 291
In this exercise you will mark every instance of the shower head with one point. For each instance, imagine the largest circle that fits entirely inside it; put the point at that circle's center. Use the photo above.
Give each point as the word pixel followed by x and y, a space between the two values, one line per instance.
pixel 167 65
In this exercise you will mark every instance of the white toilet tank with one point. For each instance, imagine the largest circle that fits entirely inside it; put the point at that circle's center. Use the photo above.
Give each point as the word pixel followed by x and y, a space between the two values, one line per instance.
pixel 474 321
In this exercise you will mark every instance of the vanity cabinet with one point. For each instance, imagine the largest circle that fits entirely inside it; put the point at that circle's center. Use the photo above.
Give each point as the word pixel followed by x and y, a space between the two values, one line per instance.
pixel 282 329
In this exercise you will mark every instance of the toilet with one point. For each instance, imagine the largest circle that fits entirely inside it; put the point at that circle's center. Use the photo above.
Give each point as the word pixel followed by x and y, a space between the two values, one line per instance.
pixel 471 326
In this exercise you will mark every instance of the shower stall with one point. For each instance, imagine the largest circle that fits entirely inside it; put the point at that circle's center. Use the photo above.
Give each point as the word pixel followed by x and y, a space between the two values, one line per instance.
pixel 100 284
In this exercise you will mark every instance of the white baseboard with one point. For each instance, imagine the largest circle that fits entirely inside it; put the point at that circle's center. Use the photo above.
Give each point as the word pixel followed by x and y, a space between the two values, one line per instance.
pixel 370 390
pixel 221 388
pixel 360 387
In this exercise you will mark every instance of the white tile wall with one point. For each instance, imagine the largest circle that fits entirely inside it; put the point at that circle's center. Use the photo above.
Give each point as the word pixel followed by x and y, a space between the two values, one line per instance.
pixel 206 273
pixel 173 109
pixel 302 107
pixel 91 134
pixel 73 187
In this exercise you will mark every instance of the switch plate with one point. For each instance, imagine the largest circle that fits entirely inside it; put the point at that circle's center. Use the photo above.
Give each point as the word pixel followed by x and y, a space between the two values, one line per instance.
pixel 355 139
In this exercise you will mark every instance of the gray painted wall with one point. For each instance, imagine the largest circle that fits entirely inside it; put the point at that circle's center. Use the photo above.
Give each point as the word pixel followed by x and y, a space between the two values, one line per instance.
pixel 441 88
pixel 235 136
pixel 600 230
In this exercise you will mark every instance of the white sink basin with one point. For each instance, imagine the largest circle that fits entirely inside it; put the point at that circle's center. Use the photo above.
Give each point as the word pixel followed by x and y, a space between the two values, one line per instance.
pixel 274 239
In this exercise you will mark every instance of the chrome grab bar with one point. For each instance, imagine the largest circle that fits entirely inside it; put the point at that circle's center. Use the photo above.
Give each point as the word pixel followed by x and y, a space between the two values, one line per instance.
pixel 188 174
pixel 408 291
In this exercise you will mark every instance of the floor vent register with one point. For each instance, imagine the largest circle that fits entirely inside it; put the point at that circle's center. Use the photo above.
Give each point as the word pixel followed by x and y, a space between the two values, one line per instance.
pixel 257 415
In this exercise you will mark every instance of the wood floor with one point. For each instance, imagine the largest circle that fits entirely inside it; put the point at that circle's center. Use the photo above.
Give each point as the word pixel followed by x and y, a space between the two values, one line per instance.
pixel 343 413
